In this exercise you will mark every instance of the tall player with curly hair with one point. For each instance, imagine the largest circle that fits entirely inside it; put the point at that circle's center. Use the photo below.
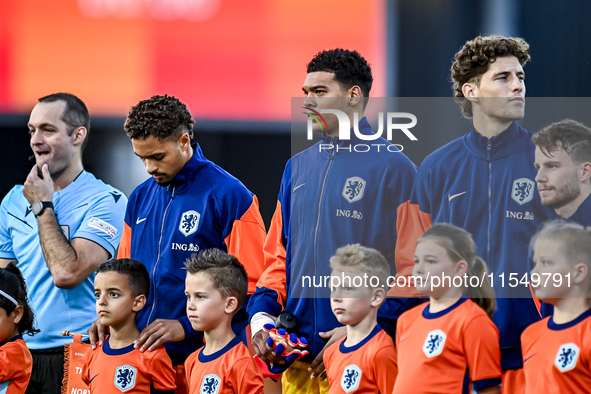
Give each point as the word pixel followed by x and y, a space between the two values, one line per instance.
pixel 484 182
pixel 189 204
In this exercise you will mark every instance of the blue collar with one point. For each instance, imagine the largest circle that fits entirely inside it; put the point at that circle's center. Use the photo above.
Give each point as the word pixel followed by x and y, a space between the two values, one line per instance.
pixel 557 327
pixel 344 349
pixel 501 146
pixel 583 213
pixel 429 315
pixel 189 172
pixel 13 339
pixel 116 352
pixel 364 129
pixel 205 359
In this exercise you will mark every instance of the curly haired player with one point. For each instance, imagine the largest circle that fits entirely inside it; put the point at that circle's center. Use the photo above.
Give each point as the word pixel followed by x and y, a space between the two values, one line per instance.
pixel 189 204
pixel 484 182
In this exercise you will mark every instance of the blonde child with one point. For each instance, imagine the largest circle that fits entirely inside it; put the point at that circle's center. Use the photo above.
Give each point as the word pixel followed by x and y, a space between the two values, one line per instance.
pixel 449 345
pixel 16 318
pixel 557 349
pixel 364 360
pixel 216 286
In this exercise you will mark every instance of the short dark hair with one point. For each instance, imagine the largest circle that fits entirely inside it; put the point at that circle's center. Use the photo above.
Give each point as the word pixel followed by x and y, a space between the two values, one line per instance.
pixel 349 68
pixel 13 284
pixel 226 272
pixel 573 137
pixel 136 272
pixel 161 117
pixel 475 57
pixel 75 113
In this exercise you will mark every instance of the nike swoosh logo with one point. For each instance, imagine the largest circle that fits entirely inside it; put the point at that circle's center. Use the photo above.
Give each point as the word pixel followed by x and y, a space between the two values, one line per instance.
pixel 524 361
pixel 138 221
pixel 297 187
pixel 455 195
pixel 93 378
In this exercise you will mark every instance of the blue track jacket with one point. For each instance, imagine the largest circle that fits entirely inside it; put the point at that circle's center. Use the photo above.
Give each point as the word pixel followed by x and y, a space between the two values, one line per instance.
pixel 330 198
pixel 487 187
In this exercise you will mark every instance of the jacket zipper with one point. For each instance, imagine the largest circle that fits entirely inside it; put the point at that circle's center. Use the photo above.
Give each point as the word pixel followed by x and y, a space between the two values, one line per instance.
pixel 333 142
pixel 489 160
pixel 158 259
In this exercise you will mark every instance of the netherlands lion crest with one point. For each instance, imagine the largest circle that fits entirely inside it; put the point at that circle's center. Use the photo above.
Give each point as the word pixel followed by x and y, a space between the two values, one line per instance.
pixel 523 190
pixel 125 377
pixel 189 222
pixel 354 188
pixel 210 384
pixel 351 377
pixel 434 343
pixel 566 357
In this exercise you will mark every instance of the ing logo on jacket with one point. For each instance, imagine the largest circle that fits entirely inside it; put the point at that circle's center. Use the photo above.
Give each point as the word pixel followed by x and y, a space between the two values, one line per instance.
pixel 189 222
pixel 354 188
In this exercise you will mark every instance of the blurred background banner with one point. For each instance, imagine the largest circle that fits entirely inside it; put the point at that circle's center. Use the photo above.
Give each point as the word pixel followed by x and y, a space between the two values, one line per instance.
pixel 226 59
pixel 238 64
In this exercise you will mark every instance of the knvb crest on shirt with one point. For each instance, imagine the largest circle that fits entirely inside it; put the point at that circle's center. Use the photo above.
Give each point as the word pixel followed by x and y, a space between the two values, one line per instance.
pixel 523 190
pixel 351 377
pixel 125 377
pixel 354 188
pixel 434 343
pixel 566 358
pixel 189 222
pixel 211 384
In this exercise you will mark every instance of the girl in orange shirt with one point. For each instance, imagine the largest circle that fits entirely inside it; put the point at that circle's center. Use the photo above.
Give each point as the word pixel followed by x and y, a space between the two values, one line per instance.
pixel 16 318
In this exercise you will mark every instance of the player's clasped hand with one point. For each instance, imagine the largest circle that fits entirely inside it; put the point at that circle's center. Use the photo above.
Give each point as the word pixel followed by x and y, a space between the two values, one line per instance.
pixel 288 347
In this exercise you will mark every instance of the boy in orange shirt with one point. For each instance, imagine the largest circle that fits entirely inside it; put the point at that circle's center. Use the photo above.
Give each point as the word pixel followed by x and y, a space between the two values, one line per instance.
pixel 365 360
pixel 557 350
pixel 216 287
pixel 121 287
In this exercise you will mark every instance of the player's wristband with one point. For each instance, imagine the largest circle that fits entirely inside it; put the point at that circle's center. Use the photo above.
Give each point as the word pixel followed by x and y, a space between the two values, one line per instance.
pixel 258 321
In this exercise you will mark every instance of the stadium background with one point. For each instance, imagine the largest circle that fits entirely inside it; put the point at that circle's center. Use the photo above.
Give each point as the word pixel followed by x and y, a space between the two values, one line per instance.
pixel 237 65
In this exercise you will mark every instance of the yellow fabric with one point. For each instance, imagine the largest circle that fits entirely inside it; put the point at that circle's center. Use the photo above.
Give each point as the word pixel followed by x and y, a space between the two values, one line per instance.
pixel 296 379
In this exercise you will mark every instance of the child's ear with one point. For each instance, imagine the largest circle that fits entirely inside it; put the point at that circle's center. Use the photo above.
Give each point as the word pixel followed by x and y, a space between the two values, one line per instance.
pixel 17 314
pixel 461 268
pixel 378 298
pixel 581 273
pixel 139 302
pixel 231 305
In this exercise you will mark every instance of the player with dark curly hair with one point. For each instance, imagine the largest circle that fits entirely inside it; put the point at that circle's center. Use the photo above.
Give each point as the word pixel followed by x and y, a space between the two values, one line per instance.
pixel 473 60
pixel 162 117
pixel 189 204
pixel 373 187
pixel 484 182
